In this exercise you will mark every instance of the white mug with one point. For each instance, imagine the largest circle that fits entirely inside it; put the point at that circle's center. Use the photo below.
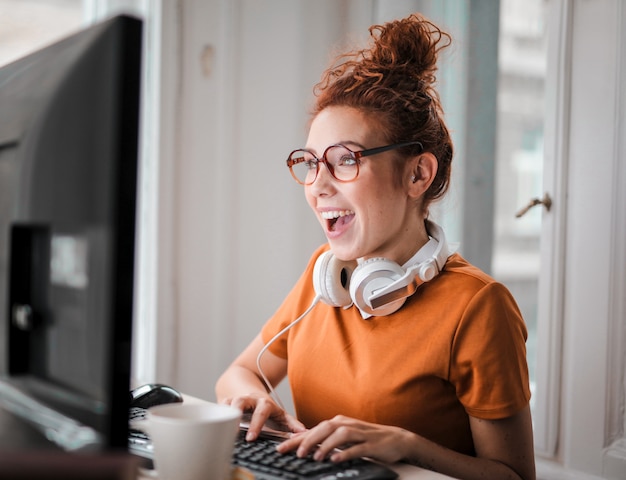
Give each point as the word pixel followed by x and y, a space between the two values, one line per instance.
pixel 191 441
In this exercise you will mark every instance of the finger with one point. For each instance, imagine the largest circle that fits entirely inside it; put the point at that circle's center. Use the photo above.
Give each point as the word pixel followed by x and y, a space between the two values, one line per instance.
pixel 340 437
pixel 295 425
pixel 291 443
pixel 245 404
pixel 348 453
pixel 260 415
pixel 314 437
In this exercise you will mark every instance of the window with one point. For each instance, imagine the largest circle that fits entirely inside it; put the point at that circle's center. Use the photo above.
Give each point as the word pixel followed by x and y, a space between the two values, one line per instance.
pixel 27 25
pixel 519 156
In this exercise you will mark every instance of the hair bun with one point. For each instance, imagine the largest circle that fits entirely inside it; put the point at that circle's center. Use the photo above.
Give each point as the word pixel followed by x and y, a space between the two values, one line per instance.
pixel 400 51
pixel 408 46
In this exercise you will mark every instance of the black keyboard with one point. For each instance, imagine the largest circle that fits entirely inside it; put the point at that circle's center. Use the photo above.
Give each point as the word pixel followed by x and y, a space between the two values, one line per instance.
pixel 262 459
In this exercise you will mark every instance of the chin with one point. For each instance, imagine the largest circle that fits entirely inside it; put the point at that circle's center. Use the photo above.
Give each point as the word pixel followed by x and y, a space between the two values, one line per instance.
pixel 343 254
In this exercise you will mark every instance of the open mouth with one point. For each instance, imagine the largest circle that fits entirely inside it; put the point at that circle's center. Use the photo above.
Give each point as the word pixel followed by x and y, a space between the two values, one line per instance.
pixel 337 218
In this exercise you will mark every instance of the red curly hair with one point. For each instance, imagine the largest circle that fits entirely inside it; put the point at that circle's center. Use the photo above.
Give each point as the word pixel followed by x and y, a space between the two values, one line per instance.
pixel 393 81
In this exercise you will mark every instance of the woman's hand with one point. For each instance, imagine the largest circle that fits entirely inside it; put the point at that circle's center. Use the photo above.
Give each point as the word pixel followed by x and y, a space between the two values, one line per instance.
pixel 355 438
pixel 504 448
pixel 241 386
pixel 263 409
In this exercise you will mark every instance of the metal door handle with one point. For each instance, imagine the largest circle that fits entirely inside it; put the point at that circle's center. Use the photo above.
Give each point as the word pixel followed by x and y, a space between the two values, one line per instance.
pixel 546 201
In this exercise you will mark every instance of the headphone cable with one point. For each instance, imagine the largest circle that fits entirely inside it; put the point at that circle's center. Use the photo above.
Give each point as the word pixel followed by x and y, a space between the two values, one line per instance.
pixel 268 385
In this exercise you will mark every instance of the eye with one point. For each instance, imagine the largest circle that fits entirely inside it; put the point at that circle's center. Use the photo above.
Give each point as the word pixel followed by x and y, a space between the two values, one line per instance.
pixel 346 159
pixel 309 163
pixel 303 160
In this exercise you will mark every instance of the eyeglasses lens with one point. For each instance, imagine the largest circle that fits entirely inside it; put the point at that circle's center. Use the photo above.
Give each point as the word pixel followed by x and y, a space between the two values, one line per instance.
pixel 303 166
pixel 341 162
pixel 345 166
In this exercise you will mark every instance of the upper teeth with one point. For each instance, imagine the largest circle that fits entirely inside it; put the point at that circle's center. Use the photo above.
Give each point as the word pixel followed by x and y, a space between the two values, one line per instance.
pixel 336 214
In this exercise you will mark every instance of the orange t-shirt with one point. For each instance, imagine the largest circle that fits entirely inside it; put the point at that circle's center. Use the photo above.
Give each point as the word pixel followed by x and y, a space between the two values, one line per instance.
pixel 455 348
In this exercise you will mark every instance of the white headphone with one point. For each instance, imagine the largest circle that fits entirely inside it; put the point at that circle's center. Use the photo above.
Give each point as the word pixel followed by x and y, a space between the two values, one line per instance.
pixel 377 286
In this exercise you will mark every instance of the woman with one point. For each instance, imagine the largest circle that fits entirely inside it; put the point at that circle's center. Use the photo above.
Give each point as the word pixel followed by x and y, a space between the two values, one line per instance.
pixel 413 354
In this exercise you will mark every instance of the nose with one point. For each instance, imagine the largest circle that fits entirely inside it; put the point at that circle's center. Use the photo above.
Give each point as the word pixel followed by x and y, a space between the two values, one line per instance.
pixel 323 183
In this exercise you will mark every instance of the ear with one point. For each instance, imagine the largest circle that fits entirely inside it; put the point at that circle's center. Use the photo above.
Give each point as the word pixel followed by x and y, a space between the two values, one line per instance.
pixel 423 169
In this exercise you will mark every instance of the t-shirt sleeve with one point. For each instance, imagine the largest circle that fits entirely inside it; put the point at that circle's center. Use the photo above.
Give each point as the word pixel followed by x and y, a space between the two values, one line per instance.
pixel 488 364
pixel 299 299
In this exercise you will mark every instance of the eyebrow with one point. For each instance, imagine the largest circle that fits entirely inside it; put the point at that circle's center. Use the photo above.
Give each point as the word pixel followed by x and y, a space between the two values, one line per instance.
pixel 346 143
pixel 356 144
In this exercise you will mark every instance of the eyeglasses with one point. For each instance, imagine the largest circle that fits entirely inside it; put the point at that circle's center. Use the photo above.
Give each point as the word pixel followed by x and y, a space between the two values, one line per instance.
pixel 342 163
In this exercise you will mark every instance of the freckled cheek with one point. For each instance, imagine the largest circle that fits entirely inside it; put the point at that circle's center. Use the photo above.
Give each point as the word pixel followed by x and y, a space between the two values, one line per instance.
pixel 377 212
pixel 383 216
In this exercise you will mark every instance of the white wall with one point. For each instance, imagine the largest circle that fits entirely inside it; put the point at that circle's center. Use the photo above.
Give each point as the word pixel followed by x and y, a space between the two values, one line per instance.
pixel 239 231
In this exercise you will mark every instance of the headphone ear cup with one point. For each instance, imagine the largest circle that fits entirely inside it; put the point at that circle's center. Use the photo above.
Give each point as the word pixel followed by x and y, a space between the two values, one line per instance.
pixel 370 276
pixel 331 278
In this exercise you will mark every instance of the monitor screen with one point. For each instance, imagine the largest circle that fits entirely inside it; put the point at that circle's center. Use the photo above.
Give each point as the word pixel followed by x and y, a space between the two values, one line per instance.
pixel 69 127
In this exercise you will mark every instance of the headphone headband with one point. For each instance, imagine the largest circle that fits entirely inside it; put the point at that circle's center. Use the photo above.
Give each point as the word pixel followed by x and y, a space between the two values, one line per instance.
pixel 416 274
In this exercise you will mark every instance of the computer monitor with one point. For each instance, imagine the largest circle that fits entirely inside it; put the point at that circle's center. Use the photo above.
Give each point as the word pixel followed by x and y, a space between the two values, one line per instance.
pixel 69 126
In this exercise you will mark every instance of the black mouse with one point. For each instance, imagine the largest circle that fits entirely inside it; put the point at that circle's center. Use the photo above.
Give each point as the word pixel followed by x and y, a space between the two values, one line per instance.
pixel 153 394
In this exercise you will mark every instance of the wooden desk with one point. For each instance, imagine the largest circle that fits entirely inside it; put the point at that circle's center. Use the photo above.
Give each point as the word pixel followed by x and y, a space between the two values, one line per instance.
pixel 405 472
pixel 409 472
